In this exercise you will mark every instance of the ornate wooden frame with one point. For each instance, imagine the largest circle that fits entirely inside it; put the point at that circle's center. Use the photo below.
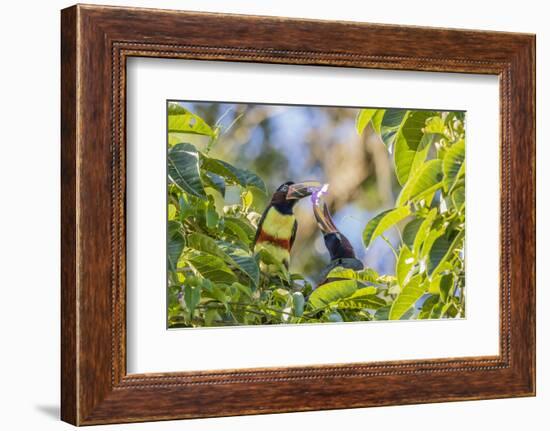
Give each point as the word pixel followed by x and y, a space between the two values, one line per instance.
pixel 95 43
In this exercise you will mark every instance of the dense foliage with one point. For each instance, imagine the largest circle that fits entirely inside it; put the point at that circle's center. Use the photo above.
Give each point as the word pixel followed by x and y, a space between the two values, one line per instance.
pixel 215 279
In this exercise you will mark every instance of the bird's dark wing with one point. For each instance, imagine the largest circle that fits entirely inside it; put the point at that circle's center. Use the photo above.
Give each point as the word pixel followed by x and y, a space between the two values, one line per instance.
pixel 260 224
pixel 294 230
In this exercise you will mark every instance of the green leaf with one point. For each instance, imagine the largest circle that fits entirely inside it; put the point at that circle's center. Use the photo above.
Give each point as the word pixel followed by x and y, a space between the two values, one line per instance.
pixel 211 216
pixel 445 286
pixel 403 265
pixel 331 292
pixel 458 197
pixel 233 174
pixel 363 298
pixel 390 124
pixel 235 230
pixel 244 262
pixel 176 243
pixel 411 145
pixel 183 169
pixel 382 222
pixel 382 313
pixel 215 181
pixel 212 268
pixel 423 231
pixel 365 291
pixel 191 297
pixel 407 298
pixel 371 302
pixel 410 231
pixel 377 120
pixel 442 250
pixel 244 225
pixel 426 179
pixel 188 123
pixel 427 307
pixel 363 118
pixel 365 276
pixel 242 288
pixel 204 243
pixel 454 164
pixel 229 253
pixel 176 109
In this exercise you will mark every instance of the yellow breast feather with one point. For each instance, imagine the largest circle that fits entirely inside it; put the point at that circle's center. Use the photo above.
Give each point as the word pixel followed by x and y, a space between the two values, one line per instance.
pixel 278 225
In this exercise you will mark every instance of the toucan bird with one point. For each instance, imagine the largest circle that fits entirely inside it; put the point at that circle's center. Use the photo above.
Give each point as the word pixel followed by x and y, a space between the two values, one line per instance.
pixel 340 249
pixel 277 227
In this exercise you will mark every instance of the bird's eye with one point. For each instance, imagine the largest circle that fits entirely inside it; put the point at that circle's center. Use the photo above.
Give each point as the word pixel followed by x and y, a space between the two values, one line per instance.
pixel 285 188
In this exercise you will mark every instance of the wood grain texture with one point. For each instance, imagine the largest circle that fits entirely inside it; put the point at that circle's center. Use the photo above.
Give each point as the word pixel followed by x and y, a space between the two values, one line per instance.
pixel 96 41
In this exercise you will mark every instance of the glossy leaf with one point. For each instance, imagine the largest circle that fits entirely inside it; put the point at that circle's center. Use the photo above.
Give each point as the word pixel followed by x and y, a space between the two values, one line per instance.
pixel 442 250
pixel 454 164
pixel 187 122
pixel 411 145
pixel 411 293
pixel 233 174
pixel 332 292
pixel 212 268
pixel 382 222
pixel 363 118
pixel 410 230
pixel 390 124
pixel 183 169
pixel 404 265
pixel 426 179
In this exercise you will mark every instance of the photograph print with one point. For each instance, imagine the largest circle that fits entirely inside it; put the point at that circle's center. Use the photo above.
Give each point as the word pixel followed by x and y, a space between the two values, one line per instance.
pixel 290 214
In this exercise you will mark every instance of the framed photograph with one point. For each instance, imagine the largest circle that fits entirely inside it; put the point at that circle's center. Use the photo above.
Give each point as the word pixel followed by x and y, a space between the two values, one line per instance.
pixel 325 214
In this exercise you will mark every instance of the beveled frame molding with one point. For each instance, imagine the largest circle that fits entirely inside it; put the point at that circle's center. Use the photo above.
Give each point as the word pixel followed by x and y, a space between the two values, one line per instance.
pixel 96 41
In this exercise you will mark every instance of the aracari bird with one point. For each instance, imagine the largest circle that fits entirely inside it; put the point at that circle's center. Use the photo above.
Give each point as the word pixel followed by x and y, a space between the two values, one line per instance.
pixel 277 227
pixel 340 249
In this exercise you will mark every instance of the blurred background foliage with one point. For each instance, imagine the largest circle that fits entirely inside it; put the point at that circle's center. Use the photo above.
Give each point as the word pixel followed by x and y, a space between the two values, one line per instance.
pixel 392 194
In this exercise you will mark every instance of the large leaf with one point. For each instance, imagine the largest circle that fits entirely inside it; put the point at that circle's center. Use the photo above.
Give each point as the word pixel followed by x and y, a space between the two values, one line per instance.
pixel 244 262
pixel 176 109
pixel 363 118
pixel 188 123
pixel 442 250
pixel 229 253
pixel 458 197
pixel 332 292
pixel 371 302
pixel 377 120
pixel 454 164
pixel 425 180
pixel 245 226
pixel 191 297
pixel 212 268
pixel 411 145
pixel 215 181
pixel 404 264
pixel 382 222
pixel 365 276
pixel 205 244
pixel 183 169
pixel 410 231
pixel 423 231
pixel 407 298
pixel 233 174
pixel 176 243
pixel 390 124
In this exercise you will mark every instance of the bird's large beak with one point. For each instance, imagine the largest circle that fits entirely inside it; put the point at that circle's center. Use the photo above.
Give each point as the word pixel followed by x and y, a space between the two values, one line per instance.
pixel 301 190
pixel 321 212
